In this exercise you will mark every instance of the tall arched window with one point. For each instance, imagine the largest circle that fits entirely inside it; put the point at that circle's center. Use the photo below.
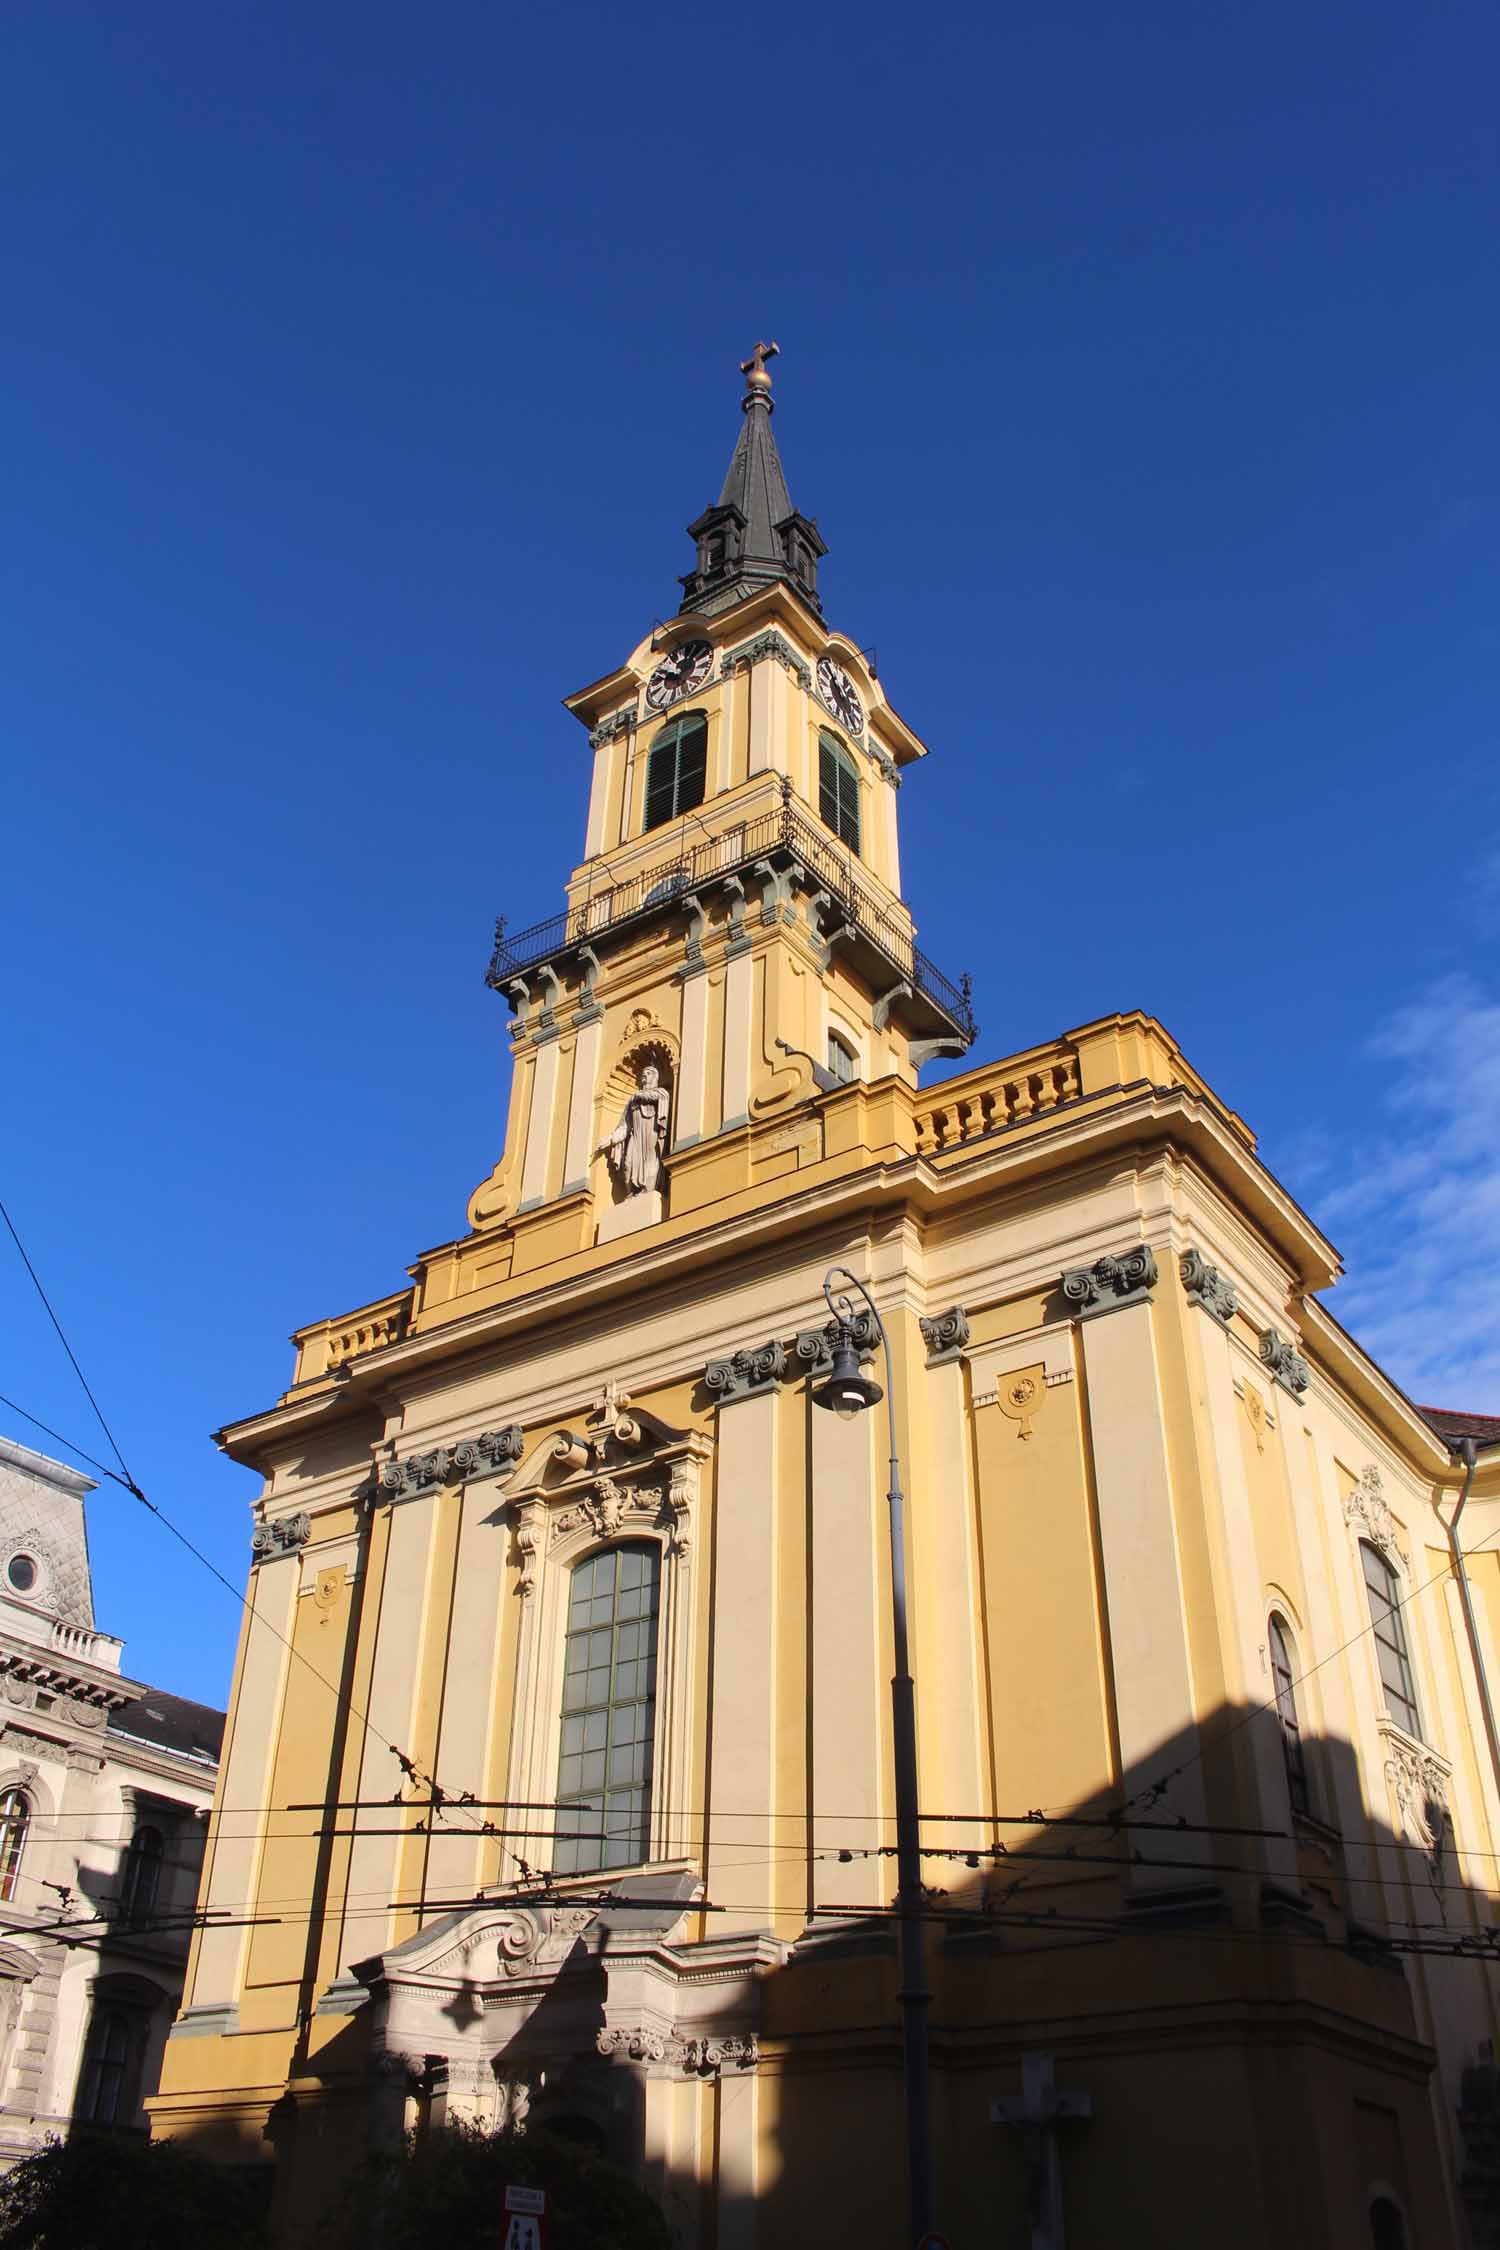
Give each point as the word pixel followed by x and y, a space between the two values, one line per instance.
pixel 1383 1589
pixel 838 789
pixel 1284 1673
pixel 104 2084
pixel 608 1710
pixel 15 1819
pixel 677 769
pixel 142 1876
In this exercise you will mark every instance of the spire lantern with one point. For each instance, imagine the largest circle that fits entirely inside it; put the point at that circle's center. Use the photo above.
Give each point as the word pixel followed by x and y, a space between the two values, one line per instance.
pixel 754 535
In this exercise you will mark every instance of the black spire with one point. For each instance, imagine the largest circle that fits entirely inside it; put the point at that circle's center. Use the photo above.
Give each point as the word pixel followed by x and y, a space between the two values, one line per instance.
pixel 754 535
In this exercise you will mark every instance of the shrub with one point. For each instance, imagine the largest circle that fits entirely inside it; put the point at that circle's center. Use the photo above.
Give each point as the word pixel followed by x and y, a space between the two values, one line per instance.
pixel 448 2188
pixel 118 2191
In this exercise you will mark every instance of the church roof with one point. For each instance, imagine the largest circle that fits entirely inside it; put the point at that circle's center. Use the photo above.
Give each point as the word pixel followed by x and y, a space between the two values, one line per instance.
pixel 753 535
pixel 756 482
pixel 1453 1424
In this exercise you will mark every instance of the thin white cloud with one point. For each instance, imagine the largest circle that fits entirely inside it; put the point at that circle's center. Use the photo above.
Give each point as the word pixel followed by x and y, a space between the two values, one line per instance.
pixel 1416 1211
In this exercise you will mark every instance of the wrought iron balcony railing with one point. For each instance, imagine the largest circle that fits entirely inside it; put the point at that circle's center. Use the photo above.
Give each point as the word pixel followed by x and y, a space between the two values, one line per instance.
pixel 781 832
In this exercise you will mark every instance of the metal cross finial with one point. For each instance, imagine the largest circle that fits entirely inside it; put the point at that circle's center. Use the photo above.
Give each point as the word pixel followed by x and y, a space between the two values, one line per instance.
pixel 755 365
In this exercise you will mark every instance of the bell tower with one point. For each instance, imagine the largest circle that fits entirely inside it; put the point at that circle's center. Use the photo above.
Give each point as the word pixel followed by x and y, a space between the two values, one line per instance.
pixel 734 967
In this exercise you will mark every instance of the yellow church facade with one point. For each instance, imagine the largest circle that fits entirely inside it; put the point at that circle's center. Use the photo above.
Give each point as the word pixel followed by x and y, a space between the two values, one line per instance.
pixel 559 1783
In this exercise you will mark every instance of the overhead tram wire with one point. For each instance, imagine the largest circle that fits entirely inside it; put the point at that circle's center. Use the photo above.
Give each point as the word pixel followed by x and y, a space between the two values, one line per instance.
pixel 442 1800
pixel 125 1478
pixel 1154 1791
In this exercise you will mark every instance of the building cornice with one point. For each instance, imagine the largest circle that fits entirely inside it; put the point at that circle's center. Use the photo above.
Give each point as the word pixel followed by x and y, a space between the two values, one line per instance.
pixel 1114 1122
pixel 1333 1349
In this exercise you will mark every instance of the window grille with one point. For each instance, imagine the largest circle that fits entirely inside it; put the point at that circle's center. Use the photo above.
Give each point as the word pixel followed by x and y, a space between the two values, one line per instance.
pixel 608 1710
pixel 1383 1590
pixel 15 1819
pixel 676 770
pixel 1284 1673
pixel 838 790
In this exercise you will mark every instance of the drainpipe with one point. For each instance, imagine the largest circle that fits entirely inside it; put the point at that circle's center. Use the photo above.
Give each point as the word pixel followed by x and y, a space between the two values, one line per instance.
pixel 1468 1452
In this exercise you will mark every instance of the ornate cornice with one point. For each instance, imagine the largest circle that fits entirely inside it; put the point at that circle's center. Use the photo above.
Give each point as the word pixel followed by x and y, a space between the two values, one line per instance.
pixel 280 1535
pixel 769 643
pixel 945 1335
pixel 1111 1282
pixel 1284 1362
pixel 1367 1512
pixel 746 1374
pixel 700 2058
pixel 1207 1286
pixel 486 1455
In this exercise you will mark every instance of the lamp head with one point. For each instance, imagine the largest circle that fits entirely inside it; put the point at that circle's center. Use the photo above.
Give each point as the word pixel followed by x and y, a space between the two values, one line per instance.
pixel 845 1391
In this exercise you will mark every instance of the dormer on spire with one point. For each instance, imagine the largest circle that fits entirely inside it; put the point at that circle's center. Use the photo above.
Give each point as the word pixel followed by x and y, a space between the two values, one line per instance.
pixel 754 535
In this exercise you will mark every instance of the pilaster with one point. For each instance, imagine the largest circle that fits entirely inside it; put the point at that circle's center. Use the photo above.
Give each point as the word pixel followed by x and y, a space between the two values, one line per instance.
pixel 259 1715
pixel 1153 1683
pixel 848 1687
pixel 579 1147
pixel 539 1125
pixel 742 1829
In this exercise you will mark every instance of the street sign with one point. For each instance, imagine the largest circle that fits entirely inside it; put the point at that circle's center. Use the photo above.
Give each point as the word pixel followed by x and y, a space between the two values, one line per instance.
pixel 527 2228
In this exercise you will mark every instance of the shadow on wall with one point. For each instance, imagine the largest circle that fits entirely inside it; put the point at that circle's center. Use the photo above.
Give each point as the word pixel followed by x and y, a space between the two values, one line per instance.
pixel 1253 2019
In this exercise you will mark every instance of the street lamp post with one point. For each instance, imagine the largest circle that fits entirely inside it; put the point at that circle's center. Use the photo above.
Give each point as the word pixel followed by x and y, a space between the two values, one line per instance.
pixel 847 1392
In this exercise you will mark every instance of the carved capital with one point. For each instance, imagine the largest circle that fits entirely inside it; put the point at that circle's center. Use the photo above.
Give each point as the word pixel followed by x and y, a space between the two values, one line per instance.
pixel 708 2058
pixel 1284 1362
pixel 813 1349
pixel 485 1455
pixel 1368 1514
pixel 746 1373
pixel 945 1334
pixel 638 2043
pixel 619 722
pixel 1111 1282
pixel 1207 1286
pixel 280 1535
pixel 755 651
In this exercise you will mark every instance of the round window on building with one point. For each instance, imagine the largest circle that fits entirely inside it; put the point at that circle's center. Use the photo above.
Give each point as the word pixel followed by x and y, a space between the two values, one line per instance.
pixel 21 1571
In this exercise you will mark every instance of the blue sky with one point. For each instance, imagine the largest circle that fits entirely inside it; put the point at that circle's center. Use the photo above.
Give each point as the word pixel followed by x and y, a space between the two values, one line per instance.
pixel 363 367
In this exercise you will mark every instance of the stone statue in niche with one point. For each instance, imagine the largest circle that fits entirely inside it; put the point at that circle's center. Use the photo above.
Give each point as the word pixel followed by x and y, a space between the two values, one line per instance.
pixel 636 1145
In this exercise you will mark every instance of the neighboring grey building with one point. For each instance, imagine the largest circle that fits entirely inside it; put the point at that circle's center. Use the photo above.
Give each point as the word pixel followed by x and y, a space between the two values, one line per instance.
pixel 105 1787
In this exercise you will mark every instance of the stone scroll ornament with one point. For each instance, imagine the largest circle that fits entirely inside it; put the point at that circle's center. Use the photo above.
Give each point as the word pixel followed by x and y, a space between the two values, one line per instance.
pixel 1110 1281
pixel 280 1535
pixel 446 1464
pixel 636 1146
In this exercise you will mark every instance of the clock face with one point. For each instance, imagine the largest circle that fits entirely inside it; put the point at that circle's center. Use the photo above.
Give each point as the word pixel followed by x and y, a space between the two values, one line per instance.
pixel 840 694
pixel 681 673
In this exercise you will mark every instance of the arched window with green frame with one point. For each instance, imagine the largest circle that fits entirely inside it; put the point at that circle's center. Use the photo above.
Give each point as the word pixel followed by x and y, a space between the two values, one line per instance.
pixel 677 769
pixel 838 789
